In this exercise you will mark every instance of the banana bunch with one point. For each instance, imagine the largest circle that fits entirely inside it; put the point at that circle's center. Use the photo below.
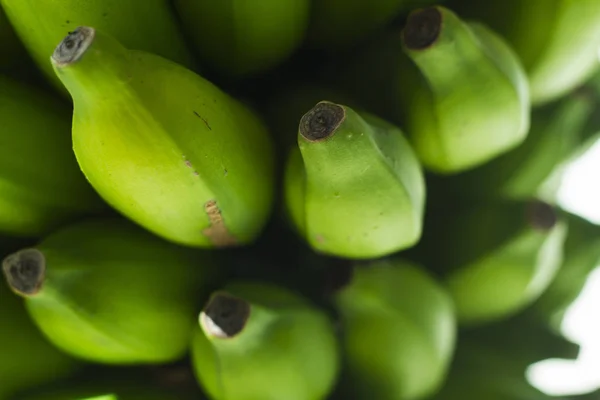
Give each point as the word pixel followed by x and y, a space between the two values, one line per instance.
pixel 557 40
pixel 261 341
pixel 27 358
pixel 164 146
pixel 41 185
pixel 353 186
pixel 455 87
pixel 140 24
pixel 241 37
pixel 399 331
pixel 337 24
pixel 506 256
pixel 108 292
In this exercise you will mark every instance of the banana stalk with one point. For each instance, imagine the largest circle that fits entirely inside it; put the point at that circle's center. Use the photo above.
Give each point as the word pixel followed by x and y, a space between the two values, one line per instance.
pixel 164 146
pixel 354 187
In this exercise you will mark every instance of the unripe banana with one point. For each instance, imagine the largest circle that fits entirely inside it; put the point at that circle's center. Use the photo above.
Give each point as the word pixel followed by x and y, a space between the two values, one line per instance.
pixel 164 146
pixel 41 185
pixel 109 292
pixel 27 359
pixel 557 133
pixel 557 40
pixel 455 87
pixel 11 49
pixel 260 341
pixel 241 37
pixel 354 188
pixel 342 23
pixel 399 331
pixel 140 24
pixel 505 257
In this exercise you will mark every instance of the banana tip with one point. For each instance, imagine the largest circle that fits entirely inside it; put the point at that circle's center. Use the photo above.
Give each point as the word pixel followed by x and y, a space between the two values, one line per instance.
pixel 73 46
pixel 322 121
pixel 541 215
pixel 25 271
pixel 224 316
pixel 422 28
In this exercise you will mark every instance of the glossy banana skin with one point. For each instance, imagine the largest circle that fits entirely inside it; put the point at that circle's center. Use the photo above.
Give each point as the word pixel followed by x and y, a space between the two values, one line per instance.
pixel 140 24
pixel 359 193
pixel 166 147
pixel 240 37
pixel 270 358
pixel 557 40
pixel 41 185
pixel 398 330
pixel 112 293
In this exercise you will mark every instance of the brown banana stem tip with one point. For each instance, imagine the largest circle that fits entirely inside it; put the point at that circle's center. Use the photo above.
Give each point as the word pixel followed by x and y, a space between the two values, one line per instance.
pixel 73 46
pixel 25 271
pixel 322 121
pixel 422 29
pixel 225 316
pixel 541 215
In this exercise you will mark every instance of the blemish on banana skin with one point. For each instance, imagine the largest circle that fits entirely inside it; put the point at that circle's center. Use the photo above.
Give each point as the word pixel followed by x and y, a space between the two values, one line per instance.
pixel 217 232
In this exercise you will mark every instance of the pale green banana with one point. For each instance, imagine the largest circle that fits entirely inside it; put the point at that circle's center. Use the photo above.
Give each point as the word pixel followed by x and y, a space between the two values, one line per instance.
pixel 455 87
pixel 27 359
pixel 140 24
pixel 109 292
pixel 558 41
pixel 343 23
pixel 260 341
pixel 164 146
pixel 505 255
pixel 242 37
pixel 354 187
pixel 41 185
pixel 399 331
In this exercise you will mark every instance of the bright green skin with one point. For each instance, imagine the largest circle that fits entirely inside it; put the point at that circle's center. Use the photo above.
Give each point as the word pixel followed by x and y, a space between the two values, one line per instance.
pixel 11 49
pixel 241 37
pixel 158 142
pixel 112 390
pixel 358 194
pixel 115 294
pixel 557 40
pixel 140 24
pixel 473 103
pixel 27 359
pixel 41 184
pixel 399 331
pixel 342 23
pixel 287 350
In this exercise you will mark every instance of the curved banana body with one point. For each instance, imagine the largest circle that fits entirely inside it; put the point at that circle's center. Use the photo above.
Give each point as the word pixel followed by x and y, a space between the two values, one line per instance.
pixel 109 292
pixel 506 256
pixel 28 359
pixel 241 37
pixel 164 146
pixel 354 188
pixel 140 24
pixel 398 329
pixel 557 40
pixel 343 23
pixel 260 341
pixel 41 185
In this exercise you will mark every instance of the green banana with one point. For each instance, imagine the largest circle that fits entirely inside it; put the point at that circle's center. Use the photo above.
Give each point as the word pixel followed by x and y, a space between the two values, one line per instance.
pixel 399 331
pixel 354 187
pixel 260 341
pixel 556 135
pixel 456 88
pixel 581 257
pixel 27 359
pixel 164 146
pixel 557 40
pixel 505 257
pixel 342 23
pixel 140 24
pixel 109 292
pixel 240 37
pixel 41 184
